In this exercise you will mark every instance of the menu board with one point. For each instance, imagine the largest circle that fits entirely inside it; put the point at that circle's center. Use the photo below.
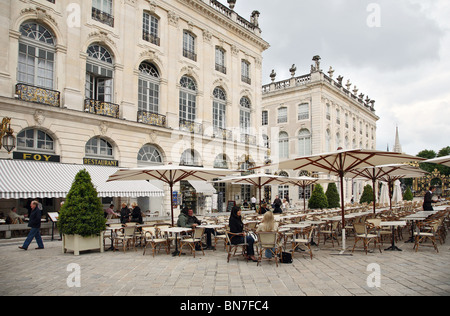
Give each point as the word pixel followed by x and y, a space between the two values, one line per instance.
pixel 230 205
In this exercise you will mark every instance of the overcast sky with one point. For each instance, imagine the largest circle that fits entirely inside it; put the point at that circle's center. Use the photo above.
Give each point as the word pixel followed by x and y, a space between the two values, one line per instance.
pixel 399 57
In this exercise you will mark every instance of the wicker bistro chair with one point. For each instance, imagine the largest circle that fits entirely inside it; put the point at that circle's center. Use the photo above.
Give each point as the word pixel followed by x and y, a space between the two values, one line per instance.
pixel 331 231
pixel 152 238
pixel 220 235
pixel 268 241
pixel 193 241
pixel 125 235
pixel 424 231
pixel 361 233
pixel 232 248
pixel 302 237
pixel 375 226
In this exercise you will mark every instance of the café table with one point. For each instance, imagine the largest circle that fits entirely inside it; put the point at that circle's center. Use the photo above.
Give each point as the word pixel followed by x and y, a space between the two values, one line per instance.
pixel 393 224
pixel 419 216
pixel 176 231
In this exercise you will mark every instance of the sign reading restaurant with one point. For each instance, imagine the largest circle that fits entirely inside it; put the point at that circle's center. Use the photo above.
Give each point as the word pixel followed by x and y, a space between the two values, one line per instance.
pixel 36 157
pixel 100 162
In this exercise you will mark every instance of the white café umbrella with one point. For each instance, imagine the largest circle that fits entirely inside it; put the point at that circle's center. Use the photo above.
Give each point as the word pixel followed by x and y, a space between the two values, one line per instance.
pixel 384 194
pixel 397 195
pixel 170 174
pixel 386 173
pixel 304 182
pixel 342 161
pixel 440 160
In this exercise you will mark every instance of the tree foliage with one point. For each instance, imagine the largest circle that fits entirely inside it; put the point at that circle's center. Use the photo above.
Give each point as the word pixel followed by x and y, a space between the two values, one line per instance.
pixel 408 196
pixel 82 212
pixel 367 195
pixel 318 199
pixel 333 196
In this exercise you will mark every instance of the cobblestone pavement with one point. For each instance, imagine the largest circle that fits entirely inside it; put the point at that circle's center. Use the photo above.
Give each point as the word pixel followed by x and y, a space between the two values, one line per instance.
pixel 46 273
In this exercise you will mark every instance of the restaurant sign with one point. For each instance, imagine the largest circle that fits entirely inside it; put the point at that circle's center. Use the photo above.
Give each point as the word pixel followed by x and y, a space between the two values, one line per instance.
pixel 100 162
pixel 36 157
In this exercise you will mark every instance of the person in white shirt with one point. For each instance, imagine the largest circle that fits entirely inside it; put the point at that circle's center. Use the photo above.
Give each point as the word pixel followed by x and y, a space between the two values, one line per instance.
pixel 253 201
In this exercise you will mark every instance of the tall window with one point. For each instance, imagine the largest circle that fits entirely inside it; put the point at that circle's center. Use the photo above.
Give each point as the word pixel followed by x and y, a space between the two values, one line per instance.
pixel 338 116
pixel 35 140
pixel 245 72
pixel 219 109
pixel 283 190
pixel 265 118
pixel 328 140
pixel 150 28
pixel 98 147
pixel 189 46
pixel 99 74
pixel 328 113
pixel 338 140
pixel 190 158
pixel 304 143
pixel 283 142
pixel 36 56
pixel 220 60
pixel 244 116
pixel 303 111
pixel 149 82
pixel 282 115
pixel 188 99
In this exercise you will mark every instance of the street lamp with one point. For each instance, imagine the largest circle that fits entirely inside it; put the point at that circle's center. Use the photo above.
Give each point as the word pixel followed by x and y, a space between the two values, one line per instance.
pixel 7 139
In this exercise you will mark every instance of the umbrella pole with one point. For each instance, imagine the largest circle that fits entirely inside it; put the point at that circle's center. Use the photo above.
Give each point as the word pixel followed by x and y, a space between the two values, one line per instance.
pixel 304 198
pixel 171 201
pixel 342 210
pixel 374 196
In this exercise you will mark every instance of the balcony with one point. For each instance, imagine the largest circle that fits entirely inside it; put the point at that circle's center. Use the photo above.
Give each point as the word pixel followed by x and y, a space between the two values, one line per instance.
pixel 150 118
pixel 222 133
pixel 38 95
pixel 246 79
pixel 101 108
pixel 221 68
pixel 189 54
pixel 191 127
pixel 248 139
pixel 102 17
pixel 146 36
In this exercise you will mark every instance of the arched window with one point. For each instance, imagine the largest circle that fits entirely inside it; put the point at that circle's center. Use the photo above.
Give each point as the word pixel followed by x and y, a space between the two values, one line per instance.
pixel 99 147
pixel 188 99
pixel 99 74
pixel 149 83
pixel 219 109
pixel 338 140
pixel 304 142
pixel 283 142
pixel 36 60
pixel 35 140
pixel 244 116
pixel 221 162
pixel 149 154
pixel 190 157
pixel 328 140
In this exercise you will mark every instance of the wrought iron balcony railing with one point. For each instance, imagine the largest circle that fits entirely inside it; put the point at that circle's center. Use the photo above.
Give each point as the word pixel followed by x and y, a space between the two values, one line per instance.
pixel 222 133
pixel 248 139
pixel 150 118
pixel 149 37
pixel 191 127
pixel 103 17
pixel 39 95
pixel 101 108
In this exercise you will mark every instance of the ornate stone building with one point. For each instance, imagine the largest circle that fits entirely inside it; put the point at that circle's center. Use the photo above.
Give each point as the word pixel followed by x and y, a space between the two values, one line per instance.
pixel 312 114
pixel 132 83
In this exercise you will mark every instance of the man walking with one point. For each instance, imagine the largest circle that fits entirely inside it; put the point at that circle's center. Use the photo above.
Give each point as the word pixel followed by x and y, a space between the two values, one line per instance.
pixel 35 225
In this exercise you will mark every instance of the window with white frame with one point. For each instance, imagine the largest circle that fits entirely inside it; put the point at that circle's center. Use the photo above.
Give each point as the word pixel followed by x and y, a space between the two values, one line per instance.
pixel 244 116
pixel 303 111
pixel 99 148
pixel 35 140
pixel 36 62
pixel 304 142
pixel 220 60
pixel 150 28
pixel 149 154
pixel 99 74
pixel 283 145
pixel 102 11
pixel 189 46
pixel 219 109
pixel 188 99
pixel 282 115
pixel 148 89
pixel 245 72
pixel 265 118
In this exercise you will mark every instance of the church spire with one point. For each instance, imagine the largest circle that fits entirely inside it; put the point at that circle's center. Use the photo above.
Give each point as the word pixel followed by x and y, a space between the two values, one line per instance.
pixel 397 146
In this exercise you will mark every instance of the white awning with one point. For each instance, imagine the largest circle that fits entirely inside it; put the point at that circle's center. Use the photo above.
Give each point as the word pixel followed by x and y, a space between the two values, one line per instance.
pixel 203 187
pixel 33 179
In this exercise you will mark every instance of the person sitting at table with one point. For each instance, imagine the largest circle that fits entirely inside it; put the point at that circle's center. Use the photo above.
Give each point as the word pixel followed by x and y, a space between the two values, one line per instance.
pixel 188 220
pixel 237 227
pixel 285 205
pixel 110 212
pixel 245 205
pixel 124 214
pixel 14 217
pixel 277 205
pixel 136 214
pixel 268 224
pixel 264 209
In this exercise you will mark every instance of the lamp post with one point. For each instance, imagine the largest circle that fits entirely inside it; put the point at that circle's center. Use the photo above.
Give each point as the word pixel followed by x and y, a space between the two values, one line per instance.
pixel 7 139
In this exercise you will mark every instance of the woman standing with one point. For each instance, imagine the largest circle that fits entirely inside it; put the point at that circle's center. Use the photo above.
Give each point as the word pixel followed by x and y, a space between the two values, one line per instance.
pixel 237 227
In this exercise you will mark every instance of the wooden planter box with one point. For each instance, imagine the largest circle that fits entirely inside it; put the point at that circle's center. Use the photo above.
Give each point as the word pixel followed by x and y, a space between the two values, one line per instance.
pixel 78 243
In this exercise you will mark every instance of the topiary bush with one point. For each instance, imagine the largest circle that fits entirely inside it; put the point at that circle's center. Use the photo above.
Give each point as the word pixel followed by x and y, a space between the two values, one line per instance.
pixel 367 195
pixel 408 196
pixel 82 212
pixel 333 196
pixel 318 198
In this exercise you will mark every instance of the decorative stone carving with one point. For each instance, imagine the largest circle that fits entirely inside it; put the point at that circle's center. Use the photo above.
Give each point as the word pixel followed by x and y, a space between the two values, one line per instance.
pixel 292 70
pixel 39 117
pixel 316 67
pixel 103 128
pixel 173 18
pixel 331 72
pixel 273 75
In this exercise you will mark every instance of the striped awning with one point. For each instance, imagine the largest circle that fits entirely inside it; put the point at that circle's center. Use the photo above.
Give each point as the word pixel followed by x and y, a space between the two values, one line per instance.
pixel 33 179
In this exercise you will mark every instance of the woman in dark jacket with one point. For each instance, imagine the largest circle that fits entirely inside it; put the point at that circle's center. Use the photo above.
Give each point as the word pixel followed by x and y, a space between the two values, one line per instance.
pixel 124 214
pixel 237 227
pixel 136 215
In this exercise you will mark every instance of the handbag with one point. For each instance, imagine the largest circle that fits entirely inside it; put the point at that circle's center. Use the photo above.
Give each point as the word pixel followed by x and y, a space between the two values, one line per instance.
pixel 253 235
pixel 285 257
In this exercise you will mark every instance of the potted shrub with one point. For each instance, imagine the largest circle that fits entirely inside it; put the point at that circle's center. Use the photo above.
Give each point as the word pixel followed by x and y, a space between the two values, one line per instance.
pixel 318 198
pixel 367 195
pixel 333 196
pixel 408 196
pixel 81 219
